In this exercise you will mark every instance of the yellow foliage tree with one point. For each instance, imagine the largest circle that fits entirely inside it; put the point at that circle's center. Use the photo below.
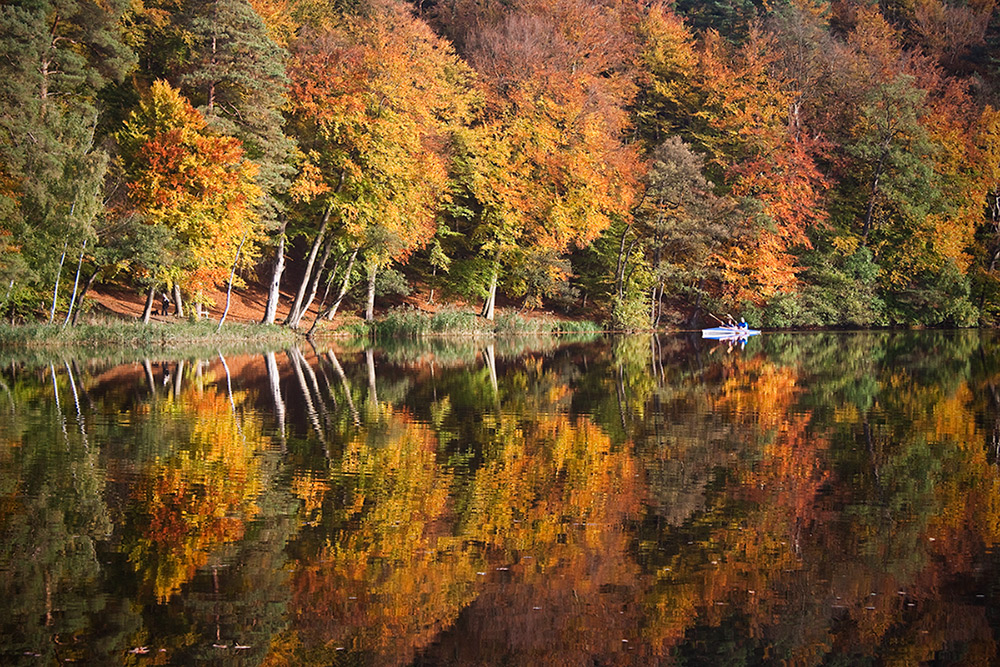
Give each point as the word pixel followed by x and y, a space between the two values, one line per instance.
pixel 193 183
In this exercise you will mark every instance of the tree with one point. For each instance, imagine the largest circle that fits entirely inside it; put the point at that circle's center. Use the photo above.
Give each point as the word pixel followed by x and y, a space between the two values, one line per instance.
pixel 760 155
pixel 670 93
pixel 683 225
pixel 55 56
pixel 902 139
pixel 236 74
pixel 730 18
pixel 548 168
pixel 183 177
pixel 373 100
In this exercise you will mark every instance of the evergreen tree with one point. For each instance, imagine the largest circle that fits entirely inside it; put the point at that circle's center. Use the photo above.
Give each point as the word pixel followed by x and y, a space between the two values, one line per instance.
pixel 237 75
pixel 55 56
pixel 731 18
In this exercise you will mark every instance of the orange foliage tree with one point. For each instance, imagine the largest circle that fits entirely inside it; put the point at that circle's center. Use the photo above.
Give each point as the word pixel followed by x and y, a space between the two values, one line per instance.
pixel 766 161
pixel 547 169
pixel 192 182
pixel 373 99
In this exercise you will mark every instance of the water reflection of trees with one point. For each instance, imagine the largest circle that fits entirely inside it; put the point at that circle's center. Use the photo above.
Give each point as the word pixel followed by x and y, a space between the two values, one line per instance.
pixel 868 480
pixel 644 500
pixel 53 515
pixel 750 481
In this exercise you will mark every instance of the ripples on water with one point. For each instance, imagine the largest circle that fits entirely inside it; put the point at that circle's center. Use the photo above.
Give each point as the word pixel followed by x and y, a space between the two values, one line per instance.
pixel 811 499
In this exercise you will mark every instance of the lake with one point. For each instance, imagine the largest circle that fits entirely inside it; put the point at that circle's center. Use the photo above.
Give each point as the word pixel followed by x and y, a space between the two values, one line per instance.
pixel 827 498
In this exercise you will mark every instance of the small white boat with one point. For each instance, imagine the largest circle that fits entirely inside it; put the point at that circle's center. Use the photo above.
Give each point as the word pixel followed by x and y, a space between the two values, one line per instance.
pixel 729 333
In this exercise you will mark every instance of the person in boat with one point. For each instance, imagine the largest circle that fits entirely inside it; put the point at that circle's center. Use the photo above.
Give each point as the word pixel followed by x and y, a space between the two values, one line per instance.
pixel 743 326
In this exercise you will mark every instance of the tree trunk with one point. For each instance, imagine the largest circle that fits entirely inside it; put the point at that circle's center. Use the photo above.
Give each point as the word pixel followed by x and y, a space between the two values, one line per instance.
pixel 370 307
pixel 232 275
pixel 296 317
pixel 656 304
pixel 296 360
pixel 313 383
pixel 211 83
pixel 178 301
pixel 372 391
pixel 620 265
pixel 55 291
pixel 654 315
pixel 148 310
pixel 873 193
pixel 489 307
pixel 274 293
pixel 339 370
pixel 309 264
pixel 179 379
pixel 870 211
pixel 229 389
pixel 331 275
pixel 344 285
pixel 72 210
pixel 274 381
pixel 489 355
pixel 86 288
pixel 76 284
pixel 659 304
pixel 148 368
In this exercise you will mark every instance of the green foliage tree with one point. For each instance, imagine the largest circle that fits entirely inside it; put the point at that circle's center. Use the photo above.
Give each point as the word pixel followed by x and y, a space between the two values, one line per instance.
pixel 235 73
pixel 236 78
pixel 731 18
pixel 55 57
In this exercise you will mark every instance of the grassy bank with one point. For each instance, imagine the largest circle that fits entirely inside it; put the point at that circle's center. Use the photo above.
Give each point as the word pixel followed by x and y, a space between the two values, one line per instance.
pixel 398 324
pixel 132 334
pixel 401 323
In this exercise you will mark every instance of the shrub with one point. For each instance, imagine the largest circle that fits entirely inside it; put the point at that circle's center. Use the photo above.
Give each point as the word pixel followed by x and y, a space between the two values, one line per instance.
pixel 408 322
pixel 630 313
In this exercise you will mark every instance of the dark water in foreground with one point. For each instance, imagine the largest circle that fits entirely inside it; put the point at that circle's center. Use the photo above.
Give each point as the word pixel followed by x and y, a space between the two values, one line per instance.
pixel 813 499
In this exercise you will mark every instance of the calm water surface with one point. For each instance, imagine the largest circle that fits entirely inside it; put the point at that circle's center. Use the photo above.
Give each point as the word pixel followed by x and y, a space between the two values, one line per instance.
pixel 812 499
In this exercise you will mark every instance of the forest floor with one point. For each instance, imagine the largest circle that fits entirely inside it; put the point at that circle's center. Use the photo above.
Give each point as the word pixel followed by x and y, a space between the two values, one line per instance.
pixel 247 306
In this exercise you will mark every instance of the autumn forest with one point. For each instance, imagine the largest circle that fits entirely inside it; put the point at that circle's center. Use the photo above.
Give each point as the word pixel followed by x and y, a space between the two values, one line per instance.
pixel 805 163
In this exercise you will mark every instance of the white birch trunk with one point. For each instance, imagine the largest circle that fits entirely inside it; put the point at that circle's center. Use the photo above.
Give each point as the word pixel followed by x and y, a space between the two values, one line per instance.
pixel 370 307
pixel 296 317
pixel 229 291
pixel 76 284
pixel 55 290
pixel 300 294
pixel 344 285
pixel 274 292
